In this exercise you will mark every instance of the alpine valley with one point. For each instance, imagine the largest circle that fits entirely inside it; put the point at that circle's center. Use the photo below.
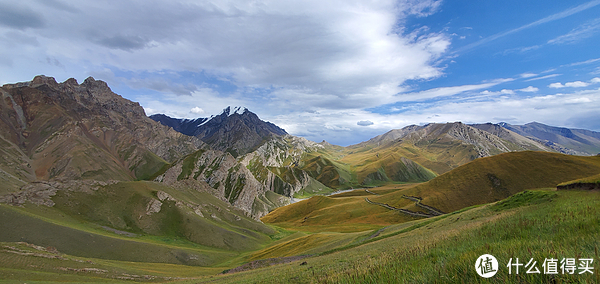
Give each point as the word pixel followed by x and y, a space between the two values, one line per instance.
pixel 93 190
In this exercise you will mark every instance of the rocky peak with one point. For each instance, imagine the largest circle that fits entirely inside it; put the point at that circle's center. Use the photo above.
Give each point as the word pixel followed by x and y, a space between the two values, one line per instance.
pixel 236 129
pixel 229 111
pixel 44 80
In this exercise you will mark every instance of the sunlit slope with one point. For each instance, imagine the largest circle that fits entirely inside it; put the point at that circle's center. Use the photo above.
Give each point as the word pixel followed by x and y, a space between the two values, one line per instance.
pixel 494 178
pixel 526 225
pixel 323 167
pixel 481 181
pixel 347 212
pixel 437 147
pixel 388 164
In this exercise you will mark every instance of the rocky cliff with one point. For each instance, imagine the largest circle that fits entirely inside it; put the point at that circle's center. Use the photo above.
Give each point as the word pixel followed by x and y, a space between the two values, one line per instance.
pixel 71 131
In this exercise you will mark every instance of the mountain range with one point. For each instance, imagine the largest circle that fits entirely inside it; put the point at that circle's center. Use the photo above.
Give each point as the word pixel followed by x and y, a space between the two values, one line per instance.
pixel 70 131
pixel 83 168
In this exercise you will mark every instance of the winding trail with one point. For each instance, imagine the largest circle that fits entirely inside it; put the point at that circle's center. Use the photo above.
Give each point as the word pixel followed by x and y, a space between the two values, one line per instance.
pixel 417 200
pixel 432 211
pixel 407 212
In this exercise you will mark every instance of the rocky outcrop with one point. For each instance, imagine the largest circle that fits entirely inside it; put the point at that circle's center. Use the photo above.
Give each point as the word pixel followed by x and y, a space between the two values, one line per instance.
pixel 41 193
pixel 222 176
pixel 275 164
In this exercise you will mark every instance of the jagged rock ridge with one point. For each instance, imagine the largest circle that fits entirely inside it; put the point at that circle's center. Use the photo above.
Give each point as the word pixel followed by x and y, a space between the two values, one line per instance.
pixel 236 130
pixel 73 131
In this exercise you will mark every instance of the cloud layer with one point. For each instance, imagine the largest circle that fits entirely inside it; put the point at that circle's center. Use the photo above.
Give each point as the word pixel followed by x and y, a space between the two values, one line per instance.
pixel 349 53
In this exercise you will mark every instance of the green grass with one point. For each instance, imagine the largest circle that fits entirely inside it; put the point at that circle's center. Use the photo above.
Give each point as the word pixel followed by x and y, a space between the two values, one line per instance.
pixel 533 224
pixel 176 234
pixel 494 178
pixel 595 179
pixel 444 250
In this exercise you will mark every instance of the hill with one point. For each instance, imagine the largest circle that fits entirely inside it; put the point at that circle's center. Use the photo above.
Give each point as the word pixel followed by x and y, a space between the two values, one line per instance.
pixel 481 181
pixel 526 225
pixel 494 178
pixel 436 147
pixel 131 221
pixel 445 248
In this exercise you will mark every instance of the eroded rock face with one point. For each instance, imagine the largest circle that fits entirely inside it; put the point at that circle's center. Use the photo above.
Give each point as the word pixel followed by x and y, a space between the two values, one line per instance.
pixel 153 207
pixel 82 131
pixel 274 164
pixel 220 174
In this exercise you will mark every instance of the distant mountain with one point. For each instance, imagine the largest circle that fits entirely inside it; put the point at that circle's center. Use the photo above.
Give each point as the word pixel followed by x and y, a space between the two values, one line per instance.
pixel 564 140
pixel 235 130
pixel 441 147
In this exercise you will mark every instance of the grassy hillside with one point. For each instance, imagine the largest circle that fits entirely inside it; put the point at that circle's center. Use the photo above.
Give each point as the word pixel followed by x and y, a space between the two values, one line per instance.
pixel 346 212
pixel 532 224
pixel 137 221
pixel 591 182
pixel 438 155
pixel 327 170
pixel 537 224
pixel 481 181
pixel 494 178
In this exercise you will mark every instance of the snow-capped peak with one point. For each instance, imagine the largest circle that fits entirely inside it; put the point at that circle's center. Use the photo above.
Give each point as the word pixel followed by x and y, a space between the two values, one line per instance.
pixel 229 111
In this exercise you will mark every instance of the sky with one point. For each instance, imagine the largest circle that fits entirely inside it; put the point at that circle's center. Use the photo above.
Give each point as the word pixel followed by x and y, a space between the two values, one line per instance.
pixel 340 71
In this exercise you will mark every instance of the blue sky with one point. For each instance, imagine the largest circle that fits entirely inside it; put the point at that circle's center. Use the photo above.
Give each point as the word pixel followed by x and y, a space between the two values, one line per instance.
pixel 341 71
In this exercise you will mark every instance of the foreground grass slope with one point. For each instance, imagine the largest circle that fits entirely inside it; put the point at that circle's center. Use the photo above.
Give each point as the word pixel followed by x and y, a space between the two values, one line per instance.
pixel 535 224
pixel 137 221
pixel 531 224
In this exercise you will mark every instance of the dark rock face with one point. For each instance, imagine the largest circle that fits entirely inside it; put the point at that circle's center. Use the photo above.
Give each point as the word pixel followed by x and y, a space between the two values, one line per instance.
pixel 185 126
pixel 237 131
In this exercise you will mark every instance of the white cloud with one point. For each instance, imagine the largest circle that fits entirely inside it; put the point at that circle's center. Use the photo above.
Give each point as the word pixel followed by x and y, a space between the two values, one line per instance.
pixel 197 110
pixel 352 52
pixel 583 62
pixel 543 77
pixel 448 91
pixel 584 31
pixel 528 75
pixel 501 92
pixel 530 89
pixel 576 84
